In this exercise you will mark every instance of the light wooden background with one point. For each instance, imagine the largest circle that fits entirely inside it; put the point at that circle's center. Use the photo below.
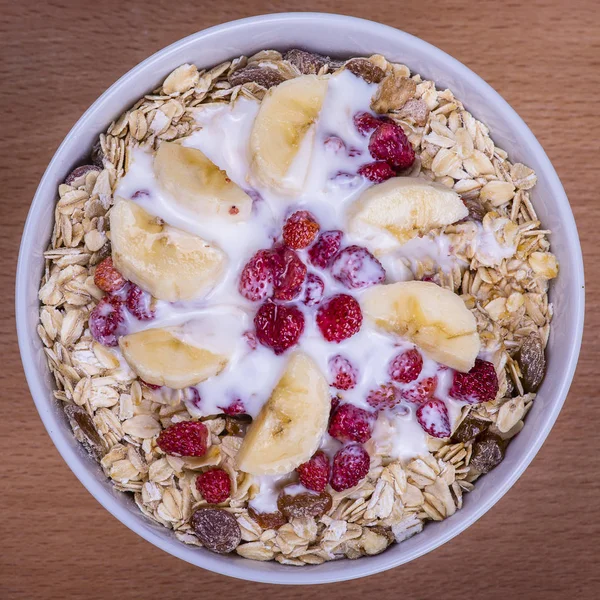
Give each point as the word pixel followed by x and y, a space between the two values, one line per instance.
pixel 540 541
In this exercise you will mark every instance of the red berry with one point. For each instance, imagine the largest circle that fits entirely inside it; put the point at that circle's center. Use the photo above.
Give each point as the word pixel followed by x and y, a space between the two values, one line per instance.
pixel 385 396
pixel 480 384
pixel 335 402
pixel 105 319
pixel 315 473
pixel 313 290
pixel 343 373
pixel 188 438
pixel 433 418
pixel 377 172
pixel 366 122
pixel 350 465
pixel 421 391
pixel 258 276
pixel 339 318
pixel 325 248
pixel 350 423
pixel 357 268
pixel 140 303
pixel 406 366
pixel 214 485
pixel 389 142
pixel 107 278
pixel 334 144
pixel 290 273
pixel 235 408
pixel 278 326
pixel 300 230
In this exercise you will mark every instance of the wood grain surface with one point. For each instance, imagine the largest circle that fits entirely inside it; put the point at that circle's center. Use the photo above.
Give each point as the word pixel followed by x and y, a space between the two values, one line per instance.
pixel 540 541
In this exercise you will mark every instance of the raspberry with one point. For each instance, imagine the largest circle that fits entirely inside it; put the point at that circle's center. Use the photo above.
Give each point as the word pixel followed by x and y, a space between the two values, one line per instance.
pixel 140 303
pixel 350 465
pixel 105 319
pixel 343 373
pixel 339 318
pixel 290 273
pixel 406 367
pixel 351 424
pixel 235 408
pixel 325 248
pixel 313 290
pixel 366 122
pixel 188 438
pixel 385 396
pixel 377 171
pixel 357 268
pixel 315 473
pixel 258 276
pixel 421 391
pixel 107 278
pixel 277 326
pixel 214 485
pixel 300 230
pixel 389 142
pixel 480 384
pixel 433 418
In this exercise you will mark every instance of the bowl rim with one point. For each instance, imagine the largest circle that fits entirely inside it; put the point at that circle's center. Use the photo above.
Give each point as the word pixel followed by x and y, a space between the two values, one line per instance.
pixel 287 575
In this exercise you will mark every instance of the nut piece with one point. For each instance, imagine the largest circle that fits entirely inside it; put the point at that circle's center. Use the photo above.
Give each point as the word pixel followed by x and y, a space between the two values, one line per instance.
pixel 364 68
pixel 263 76
pixel 393 93
pixel 309 63
pixel 84 430
pixel 532 362
pixel 488 453
pixel 470 428
pixel 272 520
pixel 304 504
pixel 217 529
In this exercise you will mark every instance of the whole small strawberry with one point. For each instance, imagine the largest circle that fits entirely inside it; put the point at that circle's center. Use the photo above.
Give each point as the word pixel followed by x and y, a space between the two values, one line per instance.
pixel 384 396
pixel 350 466
pixel 278 326
pixel 214 485
pixel 107 278
pixel 377 172
pixel 289 273
pixel 300 230
pixel 339 318
pixel 313 290
pixel 140 303
pixel 258 276
pixel 325 248
pixel 350 423
pixel 406 366
pixel 366 122
pixel 356 268
pixel 421 390
pixel 188 438
pixel 343 373
pixel 480 384
pixel 315 473
pixel 389 143
pixel 433 418
pixel 105 320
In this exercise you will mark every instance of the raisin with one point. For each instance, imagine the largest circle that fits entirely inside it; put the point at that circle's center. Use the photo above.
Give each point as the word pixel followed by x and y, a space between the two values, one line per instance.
pixel 475 208
pixel 310 63
pixel 470 428
pixel 488 452
pixel 532 362
pixel 272 520
pixel 304 504
pixel 84 430
pixel 263 76
pixel 237 425
pixel 80 172
pixel 217 529
pixel 365 69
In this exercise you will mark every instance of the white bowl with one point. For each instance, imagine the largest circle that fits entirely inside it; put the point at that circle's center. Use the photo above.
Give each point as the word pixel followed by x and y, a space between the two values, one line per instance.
pixel 340 36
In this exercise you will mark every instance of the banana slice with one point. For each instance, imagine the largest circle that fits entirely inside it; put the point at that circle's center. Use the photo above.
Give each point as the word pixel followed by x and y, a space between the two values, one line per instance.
pixel 162 357
pixel 285 118
pixel 199 185
pixel 289 427
pixel 405 207
pixel 434 318
pixel 169 263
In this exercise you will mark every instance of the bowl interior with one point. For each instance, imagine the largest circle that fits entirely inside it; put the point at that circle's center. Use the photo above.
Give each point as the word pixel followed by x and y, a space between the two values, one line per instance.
pixel 339 36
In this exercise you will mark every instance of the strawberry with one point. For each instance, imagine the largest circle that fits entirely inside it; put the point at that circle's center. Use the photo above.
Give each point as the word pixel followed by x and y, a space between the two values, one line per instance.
pixel 385 396
pixel 278 326
pixel 366 122
pixel 107 278
pixel 356 268
pixel 188 438
pixel 314 474
pixel 377 172
pixel 214 485
pixel 258 276
pixel 389 143
pixel 339 318
pixel 406 366
pixel 325 248
pixel 350 423
pixel 350 465
pixel 290 273
pixel 313 290
pixel 105 320
pixel 480 384
pixel 300 230
pixel 140 303
pixel 420 391
pixel 433 418
pixel 343 373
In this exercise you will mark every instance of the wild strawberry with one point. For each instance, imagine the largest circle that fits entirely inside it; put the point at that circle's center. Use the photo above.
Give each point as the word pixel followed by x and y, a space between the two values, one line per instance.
pixel 350 423
pixel 480 384
pixel 366 122
pixel 140 303
pixel 290 273
pixel 357 268
pixel 384 396
pixel 107 278
pixel 300 230
pixel 389 142
pixel 313 290
pixel 343 373
pixel 214 485
pixel 350 465
pixel 188 438
pixel 334 144
pixel 433 418
pixel 278 326
pixel 325 248
pixel 105 320
pixel 235 408
pixel 258 276
pixel 339 318
pixel 314 474
pixel 377 172
pixel 406 366
pixel 420 391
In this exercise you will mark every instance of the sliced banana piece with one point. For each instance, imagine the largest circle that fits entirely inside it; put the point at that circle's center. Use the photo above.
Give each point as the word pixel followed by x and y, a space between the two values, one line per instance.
pixel 199 185
pixel 405 207
pixel 290 425
pixel 162 357
pixel 169 263
pixel 285 119
pixel 434 318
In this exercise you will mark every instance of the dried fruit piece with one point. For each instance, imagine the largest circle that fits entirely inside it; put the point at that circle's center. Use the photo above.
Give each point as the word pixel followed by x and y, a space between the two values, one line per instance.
pixel 278 327
pixel 107 278
pixel 309 63
pixel 350 465
pixel 237 425
pixel 313 290
pixel 480 384
pixel 214 485
pixel 384 396
pixel 406 366
pixel 377 172
pixel 258 276
pixel 343 373
pixel 476 210
pixel 488 452
pixel 140 303
pixel 84 430
pixel 389 143
pixel 365 69
pixel 290 273
pixel 433 418
pixel 188 438
pixel 339 318
pixel 532 362
pixel 315 473
pixel 304 504
pixel 270 520
pixel 105 319
pixel 300 230
pixel 470 428
pixel 217 529
pixel 263 76
pixel 351 423
pixel 421 391
pixel 325 248
pixel 356 268
pixel 80 172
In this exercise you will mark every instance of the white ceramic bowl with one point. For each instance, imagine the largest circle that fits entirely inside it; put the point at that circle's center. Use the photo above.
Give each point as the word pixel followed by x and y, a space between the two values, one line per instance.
pixel 340 36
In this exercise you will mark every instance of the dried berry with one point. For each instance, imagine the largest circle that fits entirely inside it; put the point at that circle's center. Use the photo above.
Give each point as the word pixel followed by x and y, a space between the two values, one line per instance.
pixel 267 520
pixel 300 230
pixel 377 172
pixel 389 142
pixel 304 504
pixel 365 69
pixel 488 452
pixel 470 428
pixel 325 248
pixel 384 396
pixel 107 278
pixel 480 384
pixel 350 423
pixel 214 485
pixel 313 290
pixel 356 268
pixel 217 529
pixel 278 326
pixel 290 273
pixel 140 303
pixel 406 366
pixel 310 63
pixel 339 318
pixel 264 76
pixel 532 362
pixel 315 473
pixel 343 373
pixel 85 431
pixel 433 418
pixel 350 465
pixel 105 320
pixel 476 210
pixel 79 173
pixel 188 438
pixel 420 391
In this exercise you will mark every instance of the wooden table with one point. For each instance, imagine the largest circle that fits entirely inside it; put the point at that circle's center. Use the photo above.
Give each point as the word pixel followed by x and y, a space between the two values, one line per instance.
pixel 540 541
